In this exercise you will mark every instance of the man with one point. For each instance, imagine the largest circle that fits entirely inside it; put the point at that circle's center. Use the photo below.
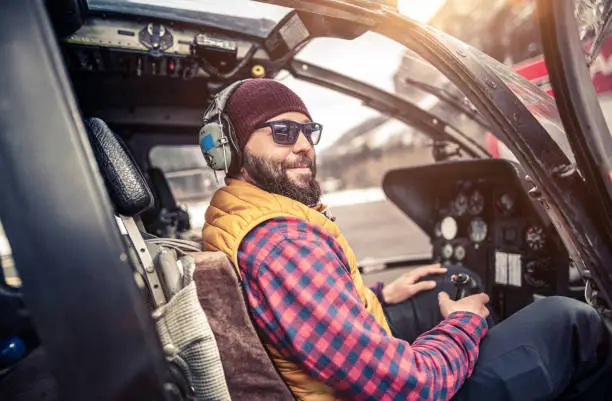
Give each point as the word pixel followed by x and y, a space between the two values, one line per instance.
pixel 327 333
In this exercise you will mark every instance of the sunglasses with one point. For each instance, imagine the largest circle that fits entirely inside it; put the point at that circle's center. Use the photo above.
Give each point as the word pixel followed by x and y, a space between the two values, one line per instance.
pixel 286 132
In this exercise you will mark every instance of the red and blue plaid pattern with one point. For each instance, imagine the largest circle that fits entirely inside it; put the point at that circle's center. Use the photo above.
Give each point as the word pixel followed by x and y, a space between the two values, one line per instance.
pixel 305 304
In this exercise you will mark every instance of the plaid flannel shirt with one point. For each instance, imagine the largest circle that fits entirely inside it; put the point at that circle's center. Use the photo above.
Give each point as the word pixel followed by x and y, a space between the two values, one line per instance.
pixel 305 304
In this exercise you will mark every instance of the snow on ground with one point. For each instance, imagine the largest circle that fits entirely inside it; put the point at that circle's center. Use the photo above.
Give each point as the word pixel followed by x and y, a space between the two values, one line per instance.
pixel 332 199
pixel 354 197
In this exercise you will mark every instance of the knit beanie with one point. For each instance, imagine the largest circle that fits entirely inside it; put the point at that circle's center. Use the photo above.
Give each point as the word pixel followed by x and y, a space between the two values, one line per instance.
pixel 257 100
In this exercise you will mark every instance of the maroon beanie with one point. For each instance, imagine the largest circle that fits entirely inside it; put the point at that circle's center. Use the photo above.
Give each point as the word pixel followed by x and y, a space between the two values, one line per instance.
pixel 258 100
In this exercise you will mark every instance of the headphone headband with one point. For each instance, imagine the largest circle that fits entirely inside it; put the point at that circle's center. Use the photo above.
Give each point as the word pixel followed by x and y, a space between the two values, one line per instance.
pixel 217 106
pixel 217 133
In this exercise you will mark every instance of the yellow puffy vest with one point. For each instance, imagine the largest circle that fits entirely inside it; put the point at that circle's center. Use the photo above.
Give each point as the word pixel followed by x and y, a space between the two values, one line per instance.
pixel 238 208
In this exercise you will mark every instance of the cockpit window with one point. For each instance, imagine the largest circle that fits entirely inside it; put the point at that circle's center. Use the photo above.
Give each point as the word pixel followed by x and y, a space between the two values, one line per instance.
pixel 403 73
pixel 359 58
pixel 192 183
pixel 243 16
pixel 540 104
pixel 186 171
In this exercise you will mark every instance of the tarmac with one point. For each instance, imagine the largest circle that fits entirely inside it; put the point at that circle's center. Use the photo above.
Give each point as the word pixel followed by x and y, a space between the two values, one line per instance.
pixel 375 229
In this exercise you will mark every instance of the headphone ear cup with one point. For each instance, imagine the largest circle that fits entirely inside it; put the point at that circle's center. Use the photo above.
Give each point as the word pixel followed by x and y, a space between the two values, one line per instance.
pixel 215 147
pixel 230 134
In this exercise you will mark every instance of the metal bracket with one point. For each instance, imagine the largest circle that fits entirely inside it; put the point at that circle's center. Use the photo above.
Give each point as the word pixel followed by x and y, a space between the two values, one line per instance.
pixel 144 257
pixel 441 152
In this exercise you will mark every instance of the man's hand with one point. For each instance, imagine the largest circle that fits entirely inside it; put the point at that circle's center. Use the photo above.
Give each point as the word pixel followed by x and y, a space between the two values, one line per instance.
pixel 474 303
pixel 408 284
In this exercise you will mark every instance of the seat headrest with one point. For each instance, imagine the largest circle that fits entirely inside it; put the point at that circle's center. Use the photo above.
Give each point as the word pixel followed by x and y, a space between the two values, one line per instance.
pixel 124 181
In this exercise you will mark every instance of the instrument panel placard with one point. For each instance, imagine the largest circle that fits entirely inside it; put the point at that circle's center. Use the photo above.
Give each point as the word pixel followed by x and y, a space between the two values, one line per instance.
pixel 508 269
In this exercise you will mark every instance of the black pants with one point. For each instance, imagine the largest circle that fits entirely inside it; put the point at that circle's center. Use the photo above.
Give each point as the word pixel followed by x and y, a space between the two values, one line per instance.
pixel 554 349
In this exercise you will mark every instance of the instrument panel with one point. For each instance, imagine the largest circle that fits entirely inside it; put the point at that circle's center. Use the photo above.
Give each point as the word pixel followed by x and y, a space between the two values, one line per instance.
pixel 479 215
pixel 485 210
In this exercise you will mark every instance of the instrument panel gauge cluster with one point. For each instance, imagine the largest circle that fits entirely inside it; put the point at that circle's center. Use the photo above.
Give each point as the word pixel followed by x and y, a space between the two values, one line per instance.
pixel 447 251
pixel 449 228
pixel 537 272
pixel 535 238
pixel 459 253
pixel 484 219
pixel 477 230
pixel 506 204
pixel 476 203
pixel 460 204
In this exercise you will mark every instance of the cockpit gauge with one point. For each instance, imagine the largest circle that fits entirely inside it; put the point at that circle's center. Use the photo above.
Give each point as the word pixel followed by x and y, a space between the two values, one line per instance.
pixel 460 204
pixel 477 230
pixel 476 203
pixel 448 228
pixel 506 204
pixel 535 238
pixel 536 272
pixel 447 251
pixel 459 252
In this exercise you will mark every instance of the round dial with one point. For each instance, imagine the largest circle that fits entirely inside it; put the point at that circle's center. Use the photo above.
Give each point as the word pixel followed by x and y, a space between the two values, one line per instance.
pixel 537 272
pixel 476 203
pixel 460 205
pixel 447 251
pixel 448 228
pixel 478 230
pixel 459 252
pixel 505 204
pixel 535 238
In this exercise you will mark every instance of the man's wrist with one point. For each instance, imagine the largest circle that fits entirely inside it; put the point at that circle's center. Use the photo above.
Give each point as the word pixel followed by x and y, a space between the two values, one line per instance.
pixel 378 288
pixel 480 324
pixel 387 295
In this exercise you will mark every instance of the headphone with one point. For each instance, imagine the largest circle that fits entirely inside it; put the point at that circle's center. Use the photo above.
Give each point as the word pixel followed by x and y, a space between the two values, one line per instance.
pixel 217 133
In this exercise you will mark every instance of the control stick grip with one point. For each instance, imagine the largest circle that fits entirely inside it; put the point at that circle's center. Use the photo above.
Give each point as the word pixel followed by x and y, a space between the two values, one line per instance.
pixel 465 284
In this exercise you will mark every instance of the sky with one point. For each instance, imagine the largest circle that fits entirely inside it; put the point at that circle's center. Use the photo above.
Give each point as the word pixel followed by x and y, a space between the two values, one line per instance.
pixel 371 58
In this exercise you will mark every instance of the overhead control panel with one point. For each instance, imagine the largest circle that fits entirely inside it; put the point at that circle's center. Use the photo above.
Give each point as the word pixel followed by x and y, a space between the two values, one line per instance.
pixel 157 49
pixel 151 37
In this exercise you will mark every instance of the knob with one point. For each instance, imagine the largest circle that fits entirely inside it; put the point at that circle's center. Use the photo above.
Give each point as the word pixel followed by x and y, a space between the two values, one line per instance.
pixel 465 284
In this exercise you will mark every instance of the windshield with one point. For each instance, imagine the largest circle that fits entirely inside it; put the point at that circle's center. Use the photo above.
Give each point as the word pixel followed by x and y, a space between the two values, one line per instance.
pixel 243 16
pixel 535 98
pixel 594 21
pixel 510 34
pixel 593 17
pixel 541 105
pixel 402 73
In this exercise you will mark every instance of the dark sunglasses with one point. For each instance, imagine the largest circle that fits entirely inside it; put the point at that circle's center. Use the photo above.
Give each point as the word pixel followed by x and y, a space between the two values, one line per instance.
pixel 286 132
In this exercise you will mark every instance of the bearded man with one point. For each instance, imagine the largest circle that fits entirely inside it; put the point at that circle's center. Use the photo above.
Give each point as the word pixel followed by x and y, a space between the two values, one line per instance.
pixel 333 338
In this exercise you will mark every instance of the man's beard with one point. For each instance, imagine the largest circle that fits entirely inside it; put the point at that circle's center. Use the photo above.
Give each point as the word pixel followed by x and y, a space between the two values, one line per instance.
pixel 272 177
